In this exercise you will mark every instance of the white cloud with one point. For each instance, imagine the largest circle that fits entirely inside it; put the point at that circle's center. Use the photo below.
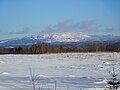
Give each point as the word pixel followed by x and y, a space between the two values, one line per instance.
pixel 71 26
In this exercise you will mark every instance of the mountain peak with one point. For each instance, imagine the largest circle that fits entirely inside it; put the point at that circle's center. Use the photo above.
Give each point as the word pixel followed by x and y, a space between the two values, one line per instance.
pixel 59 37
pixel 65 37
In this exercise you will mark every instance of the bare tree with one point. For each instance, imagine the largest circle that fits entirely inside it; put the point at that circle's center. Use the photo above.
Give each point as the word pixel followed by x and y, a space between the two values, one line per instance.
pixel 114 83
pixel 32 75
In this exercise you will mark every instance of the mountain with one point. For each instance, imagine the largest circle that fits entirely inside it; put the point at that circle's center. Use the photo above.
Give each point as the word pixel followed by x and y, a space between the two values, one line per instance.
pixel 67 37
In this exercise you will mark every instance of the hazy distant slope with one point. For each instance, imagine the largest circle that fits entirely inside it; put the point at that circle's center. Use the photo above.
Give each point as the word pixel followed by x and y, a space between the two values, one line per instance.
pixel 60 37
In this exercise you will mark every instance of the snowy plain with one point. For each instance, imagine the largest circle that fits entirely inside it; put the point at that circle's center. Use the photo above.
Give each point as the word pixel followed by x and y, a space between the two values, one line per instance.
pixel 71 71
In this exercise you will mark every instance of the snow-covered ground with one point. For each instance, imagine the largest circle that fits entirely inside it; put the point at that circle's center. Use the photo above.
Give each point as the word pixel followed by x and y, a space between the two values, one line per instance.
pixel 71 71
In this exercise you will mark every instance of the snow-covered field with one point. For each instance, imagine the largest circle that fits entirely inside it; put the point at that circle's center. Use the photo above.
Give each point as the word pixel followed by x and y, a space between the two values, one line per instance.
pixel 71 71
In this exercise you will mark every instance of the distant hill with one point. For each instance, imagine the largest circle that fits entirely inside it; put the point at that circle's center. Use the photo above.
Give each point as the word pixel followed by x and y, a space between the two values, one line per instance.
pixel 67 37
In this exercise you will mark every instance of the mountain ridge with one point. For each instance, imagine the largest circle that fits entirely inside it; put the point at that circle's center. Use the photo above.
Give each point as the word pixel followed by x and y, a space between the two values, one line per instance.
pixel 60 37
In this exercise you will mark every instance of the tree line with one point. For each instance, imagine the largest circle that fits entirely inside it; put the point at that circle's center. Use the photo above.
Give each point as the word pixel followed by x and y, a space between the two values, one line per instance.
pixel 42 48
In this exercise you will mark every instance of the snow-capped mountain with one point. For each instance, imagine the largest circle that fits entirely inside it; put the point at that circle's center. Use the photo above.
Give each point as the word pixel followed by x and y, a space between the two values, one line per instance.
pixel 59 37
pixel 64 37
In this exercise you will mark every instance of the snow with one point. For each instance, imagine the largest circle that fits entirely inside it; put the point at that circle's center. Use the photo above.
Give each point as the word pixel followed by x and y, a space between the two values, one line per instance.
pixel 41 75
pixel 60 37
pixel 51 37
pixel 4 73
pixel 70 70
pixel 107 63
pixel 65 37
pixel 3 41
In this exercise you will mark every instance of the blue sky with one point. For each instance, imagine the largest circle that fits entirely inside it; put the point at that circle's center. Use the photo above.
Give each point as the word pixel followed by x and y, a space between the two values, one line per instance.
pixel 20 18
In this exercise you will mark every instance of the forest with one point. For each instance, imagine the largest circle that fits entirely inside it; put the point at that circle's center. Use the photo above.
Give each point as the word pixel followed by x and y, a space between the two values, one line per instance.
pixel 42 48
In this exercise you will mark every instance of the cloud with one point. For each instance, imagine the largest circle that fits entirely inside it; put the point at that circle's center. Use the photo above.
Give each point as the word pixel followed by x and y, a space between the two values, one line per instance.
pixel 71 26
pixel 25 30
